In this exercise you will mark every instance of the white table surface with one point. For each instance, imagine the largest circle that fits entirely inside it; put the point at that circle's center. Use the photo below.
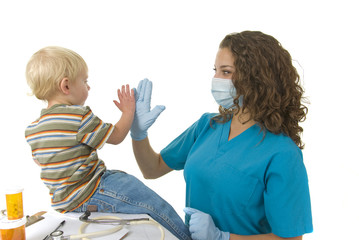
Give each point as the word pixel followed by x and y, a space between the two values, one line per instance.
pixel 40 229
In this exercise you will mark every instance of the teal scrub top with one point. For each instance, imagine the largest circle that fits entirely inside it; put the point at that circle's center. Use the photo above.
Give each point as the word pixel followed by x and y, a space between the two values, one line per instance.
pixel 252 184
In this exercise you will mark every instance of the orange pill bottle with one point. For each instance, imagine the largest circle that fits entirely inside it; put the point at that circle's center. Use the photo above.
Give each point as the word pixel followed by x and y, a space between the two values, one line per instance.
pixel 14 206
pixel 12 229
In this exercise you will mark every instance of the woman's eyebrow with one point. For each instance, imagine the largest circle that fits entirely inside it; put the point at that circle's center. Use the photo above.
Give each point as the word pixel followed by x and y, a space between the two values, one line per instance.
pixel 225 66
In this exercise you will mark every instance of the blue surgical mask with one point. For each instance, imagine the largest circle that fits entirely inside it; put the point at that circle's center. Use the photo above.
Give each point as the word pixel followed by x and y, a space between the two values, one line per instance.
pixel 224 92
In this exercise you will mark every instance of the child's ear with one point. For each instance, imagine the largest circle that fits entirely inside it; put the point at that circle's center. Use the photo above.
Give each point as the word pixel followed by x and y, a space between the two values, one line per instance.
pixel 64 86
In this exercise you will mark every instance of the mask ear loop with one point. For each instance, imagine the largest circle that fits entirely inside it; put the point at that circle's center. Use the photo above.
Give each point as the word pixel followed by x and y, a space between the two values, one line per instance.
pixel 301 74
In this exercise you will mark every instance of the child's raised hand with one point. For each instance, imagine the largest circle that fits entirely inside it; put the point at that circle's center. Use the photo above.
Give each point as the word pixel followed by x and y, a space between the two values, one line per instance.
pixel 127 102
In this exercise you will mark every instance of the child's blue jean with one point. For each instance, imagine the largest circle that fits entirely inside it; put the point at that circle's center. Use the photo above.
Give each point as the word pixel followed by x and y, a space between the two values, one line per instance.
pixel 123 193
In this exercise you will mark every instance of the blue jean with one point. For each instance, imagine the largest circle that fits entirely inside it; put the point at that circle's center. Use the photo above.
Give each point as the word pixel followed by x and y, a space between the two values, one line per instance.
pixel 123 193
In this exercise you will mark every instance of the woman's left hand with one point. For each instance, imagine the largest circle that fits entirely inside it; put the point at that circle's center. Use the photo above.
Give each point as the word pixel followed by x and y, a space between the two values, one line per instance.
pixel 202 227
pixel 144 116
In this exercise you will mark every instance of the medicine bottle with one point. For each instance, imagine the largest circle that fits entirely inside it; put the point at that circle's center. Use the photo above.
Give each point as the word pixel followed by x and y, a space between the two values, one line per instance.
pixel 12 229
pixel 14 206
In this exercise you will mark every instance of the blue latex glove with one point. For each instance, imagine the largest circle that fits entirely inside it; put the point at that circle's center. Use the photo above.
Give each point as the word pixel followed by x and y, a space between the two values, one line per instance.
pixel 144 116
pixel 202 227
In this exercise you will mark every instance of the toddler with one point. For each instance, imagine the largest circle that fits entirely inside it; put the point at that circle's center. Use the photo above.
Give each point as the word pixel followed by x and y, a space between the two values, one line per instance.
pixel 65 138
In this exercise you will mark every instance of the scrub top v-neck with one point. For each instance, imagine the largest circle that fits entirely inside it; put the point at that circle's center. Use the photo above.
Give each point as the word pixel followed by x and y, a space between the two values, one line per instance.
pixel 251 184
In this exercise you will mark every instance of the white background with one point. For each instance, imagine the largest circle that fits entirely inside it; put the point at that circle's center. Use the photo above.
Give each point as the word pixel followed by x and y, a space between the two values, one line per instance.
pixel 173 43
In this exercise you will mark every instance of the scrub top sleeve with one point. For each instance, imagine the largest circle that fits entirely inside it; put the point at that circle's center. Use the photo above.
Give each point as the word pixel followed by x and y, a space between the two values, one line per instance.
pixel 175 154
pixel 286 198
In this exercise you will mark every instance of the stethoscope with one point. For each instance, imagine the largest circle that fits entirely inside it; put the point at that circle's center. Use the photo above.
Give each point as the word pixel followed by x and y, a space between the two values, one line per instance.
pixel 107 220
pixel 57 235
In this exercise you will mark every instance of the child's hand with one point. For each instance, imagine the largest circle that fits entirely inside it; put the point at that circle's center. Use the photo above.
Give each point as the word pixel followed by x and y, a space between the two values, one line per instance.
pixel 127 102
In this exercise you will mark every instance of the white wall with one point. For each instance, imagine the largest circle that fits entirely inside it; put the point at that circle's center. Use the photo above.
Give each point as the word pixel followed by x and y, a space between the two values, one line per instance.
pixel 174 43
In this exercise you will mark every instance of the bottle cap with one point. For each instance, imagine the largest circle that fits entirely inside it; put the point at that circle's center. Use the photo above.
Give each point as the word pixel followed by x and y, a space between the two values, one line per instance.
pixel 14 190
pixel 11 224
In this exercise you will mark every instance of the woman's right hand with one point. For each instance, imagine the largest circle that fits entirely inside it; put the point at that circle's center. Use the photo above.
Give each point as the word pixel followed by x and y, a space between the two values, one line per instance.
pixel 202 227
pixel 144 116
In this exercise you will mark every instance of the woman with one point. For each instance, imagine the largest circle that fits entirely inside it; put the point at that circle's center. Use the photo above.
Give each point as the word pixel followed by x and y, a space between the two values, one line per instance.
pixel 244 171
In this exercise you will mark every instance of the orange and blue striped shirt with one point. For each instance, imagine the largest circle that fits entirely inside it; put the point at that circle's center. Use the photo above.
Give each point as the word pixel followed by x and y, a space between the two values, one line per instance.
pixel 64 141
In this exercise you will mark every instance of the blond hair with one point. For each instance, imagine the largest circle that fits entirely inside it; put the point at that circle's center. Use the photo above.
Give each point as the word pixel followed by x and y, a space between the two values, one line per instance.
pixel 48 66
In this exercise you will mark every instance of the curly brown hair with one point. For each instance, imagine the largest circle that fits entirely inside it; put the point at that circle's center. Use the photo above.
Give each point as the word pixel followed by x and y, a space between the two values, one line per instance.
pixel 269 83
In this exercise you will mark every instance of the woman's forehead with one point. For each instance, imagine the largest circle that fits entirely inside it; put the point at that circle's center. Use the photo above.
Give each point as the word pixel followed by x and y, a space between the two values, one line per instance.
pixel 224 57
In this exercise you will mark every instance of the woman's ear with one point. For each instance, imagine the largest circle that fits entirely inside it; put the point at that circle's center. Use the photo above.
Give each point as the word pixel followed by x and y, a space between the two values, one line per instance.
pixel 64 86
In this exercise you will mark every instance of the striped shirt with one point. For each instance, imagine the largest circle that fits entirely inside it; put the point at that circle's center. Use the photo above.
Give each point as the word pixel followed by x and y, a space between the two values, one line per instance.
pixel 64 140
